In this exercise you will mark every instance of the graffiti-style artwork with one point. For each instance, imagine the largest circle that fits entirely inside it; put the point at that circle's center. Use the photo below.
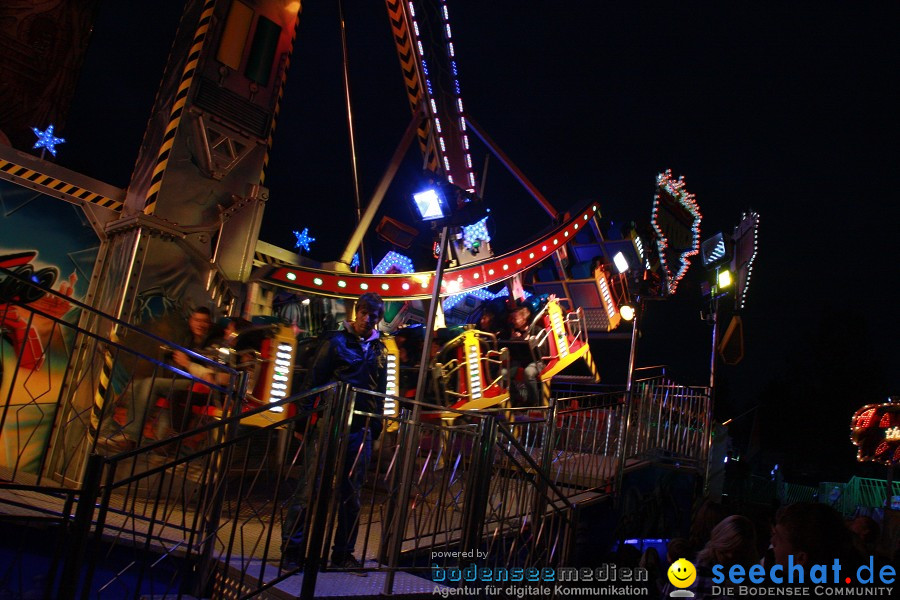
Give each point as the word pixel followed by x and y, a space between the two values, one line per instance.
pixel 47 253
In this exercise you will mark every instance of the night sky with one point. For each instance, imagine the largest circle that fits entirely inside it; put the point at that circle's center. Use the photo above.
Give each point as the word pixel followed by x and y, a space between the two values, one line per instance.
pixel 786 109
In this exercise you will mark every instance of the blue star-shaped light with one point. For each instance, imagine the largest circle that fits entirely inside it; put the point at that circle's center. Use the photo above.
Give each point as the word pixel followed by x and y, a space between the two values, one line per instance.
pixel 46 139
pixel 303 239
pixel 355 262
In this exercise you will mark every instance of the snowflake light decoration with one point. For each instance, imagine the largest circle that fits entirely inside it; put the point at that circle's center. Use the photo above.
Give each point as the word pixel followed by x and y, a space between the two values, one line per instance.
pixel 46 139
pixel 303 239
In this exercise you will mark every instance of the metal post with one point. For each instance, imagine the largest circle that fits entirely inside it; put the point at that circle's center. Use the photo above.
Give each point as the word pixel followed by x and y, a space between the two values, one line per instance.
pixel 378 195
pixel 215 489
pixel 81 526
pixel 625 428
pixel 890 486
pixel 508 163
pixel 479 485
pixel 714 305
pixel 412 443
pixel 352 134
pixel 325 478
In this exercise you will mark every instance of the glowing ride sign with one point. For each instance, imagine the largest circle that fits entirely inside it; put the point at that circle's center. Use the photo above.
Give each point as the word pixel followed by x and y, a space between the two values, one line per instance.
pixel 676 221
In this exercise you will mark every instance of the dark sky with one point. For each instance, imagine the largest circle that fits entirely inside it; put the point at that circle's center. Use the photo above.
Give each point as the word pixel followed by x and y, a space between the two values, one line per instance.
pixel 787 109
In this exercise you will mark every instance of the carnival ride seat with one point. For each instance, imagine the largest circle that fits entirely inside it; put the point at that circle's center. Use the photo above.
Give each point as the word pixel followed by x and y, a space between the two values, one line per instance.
pixel 470 373
pixel 252 352
pixel 558 338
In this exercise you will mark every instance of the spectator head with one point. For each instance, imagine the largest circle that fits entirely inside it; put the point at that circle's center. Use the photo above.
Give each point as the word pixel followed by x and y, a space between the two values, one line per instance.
pixel 368 312
pixel 866 528
pixel 732 541
pixel 677 548
pixel 651 561
pixel 811 532
pixel 708 515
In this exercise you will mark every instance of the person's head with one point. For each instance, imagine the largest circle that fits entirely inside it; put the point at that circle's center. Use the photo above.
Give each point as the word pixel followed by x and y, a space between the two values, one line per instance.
pixel 811 532
pixel 708 515
pixel 519 318
pixel 369 311
pixel 866 529
pixel 486 322
pixel 732 541
pixel 199 322
pixel 677 548
pixel 650 560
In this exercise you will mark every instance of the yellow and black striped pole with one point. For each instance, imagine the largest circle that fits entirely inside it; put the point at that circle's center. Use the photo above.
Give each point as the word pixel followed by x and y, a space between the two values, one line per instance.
pixel 102 391
pixel 184 85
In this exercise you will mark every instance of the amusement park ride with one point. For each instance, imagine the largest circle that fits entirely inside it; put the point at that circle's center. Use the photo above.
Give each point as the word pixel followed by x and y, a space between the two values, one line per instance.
pixel 184 233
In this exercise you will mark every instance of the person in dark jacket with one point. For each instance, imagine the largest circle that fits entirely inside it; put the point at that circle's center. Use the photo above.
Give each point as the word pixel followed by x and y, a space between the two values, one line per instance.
pixel 355 355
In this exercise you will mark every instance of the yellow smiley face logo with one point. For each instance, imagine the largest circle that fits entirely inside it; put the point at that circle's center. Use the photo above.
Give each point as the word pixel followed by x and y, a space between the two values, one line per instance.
pixel 682 573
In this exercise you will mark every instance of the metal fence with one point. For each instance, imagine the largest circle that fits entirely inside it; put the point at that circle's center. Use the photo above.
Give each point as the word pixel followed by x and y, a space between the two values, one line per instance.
pixel 74 380
pixel 208 509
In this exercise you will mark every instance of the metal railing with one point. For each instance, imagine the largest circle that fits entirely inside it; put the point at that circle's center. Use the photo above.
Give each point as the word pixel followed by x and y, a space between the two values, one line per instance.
pixel 73 378
pixel 208 509
pixel 669 422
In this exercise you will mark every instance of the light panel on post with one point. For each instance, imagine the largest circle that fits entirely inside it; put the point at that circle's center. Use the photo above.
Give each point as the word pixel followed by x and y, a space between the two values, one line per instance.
pixel 431 204
pixel 621 262
pixel 724 279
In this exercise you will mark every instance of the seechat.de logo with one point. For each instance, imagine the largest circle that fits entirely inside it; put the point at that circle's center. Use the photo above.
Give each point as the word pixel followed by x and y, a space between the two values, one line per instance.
pixel 682 574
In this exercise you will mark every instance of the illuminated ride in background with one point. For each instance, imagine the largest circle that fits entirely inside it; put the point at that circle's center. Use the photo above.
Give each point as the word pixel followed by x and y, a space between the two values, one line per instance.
pixel 595 278
pixel 875 431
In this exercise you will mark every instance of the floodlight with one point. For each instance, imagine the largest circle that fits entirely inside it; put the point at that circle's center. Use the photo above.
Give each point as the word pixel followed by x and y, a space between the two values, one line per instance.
pixel 627 312
pixel 724 278
pixel 621 262
pixel 431 205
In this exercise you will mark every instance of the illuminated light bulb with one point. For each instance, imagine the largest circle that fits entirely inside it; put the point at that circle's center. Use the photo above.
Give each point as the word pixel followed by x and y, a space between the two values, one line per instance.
pixel 555 242
pixel 364 286
pixel 531 255
pixel 621 262
pixel 291 276
pixel 543 248
pixel 318 281
pixel 506 267
pixel 724 278
pixel 490 271
pixel 476 275
pixel 576 225
pixel 342 283
pixel 405 286
pixel 565 234
pixel 385 286
pixel 518 261
pixel 594 208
